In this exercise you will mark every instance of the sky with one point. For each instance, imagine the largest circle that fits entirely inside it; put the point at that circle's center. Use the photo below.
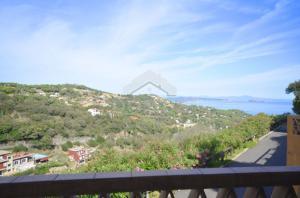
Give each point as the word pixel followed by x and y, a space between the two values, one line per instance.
pixel 202 47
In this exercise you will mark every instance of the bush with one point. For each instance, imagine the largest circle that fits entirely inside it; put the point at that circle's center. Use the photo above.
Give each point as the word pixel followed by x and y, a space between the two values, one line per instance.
pixel 76 143
pixel 44 143
pixel 100 139
pixel 92 143
pixel 20 148
pixel 66 146
pixel 95 142
pixel 162 154
pixel 278 120
pixel 7 89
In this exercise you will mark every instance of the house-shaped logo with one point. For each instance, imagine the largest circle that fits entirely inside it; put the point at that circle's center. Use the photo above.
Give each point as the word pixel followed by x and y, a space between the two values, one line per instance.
pixel 150 78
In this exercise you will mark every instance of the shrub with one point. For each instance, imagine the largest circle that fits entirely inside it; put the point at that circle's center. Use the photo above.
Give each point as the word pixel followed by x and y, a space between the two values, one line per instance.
pixel 44 143
pixel 66 146
pixel 92 143
pixel 76 143
pixel 100 139
pixel 19 148
pixel 162 154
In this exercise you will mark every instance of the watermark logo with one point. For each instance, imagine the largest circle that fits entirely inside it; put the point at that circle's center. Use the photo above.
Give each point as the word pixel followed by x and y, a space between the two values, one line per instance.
pixel 150 78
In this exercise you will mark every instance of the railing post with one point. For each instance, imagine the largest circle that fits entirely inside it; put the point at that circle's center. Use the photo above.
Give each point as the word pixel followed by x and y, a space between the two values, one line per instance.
pixel 197 193
pixel 254 192
pixel 226 193
pixel 136 195
pixel 104 195
pixel 283 192
pixel 165 194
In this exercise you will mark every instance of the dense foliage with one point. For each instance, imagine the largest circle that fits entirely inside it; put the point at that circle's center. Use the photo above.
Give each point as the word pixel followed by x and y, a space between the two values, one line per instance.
pixel 165 154
pixel 144 131
pixel 295 88
pixel 39 113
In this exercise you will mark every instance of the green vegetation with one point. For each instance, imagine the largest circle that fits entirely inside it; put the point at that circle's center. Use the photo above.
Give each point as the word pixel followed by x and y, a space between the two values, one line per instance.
pixel 66 146
pixel 40 169
pixel 96 142
pixel 165 154
pixel 19 148
pixel 295 88
pixel 279 120
pixel 128 131
pixel 39 113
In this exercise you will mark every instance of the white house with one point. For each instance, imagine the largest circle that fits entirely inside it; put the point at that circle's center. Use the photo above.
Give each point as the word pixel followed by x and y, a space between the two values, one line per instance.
pixel 188 124
pixel 55 95
pixel 94 111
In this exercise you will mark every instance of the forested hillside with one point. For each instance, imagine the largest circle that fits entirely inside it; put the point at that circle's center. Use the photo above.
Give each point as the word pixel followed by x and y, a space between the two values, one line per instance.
pixel 40 114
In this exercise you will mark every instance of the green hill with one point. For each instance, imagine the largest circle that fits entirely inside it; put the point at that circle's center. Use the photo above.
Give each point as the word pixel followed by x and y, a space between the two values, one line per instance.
pixel 41 115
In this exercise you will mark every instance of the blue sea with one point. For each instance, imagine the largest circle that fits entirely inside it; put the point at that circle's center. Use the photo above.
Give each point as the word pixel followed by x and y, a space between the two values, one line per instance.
pixel 250 107
pixel 246 106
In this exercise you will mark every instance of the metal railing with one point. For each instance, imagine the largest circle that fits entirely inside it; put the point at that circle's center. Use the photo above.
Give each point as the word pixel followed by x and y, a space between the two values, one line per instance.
pixel 103 184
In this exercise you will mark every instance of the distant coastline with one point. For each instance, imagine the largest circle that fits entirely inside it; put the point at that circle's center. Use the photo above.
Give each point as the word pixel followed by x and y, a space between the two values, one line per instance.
pixel 248 104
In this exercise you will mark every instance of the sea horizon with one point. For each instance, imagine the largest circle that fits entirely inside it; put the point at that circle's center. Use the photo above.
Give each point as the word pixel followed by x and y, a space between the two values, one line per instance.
pixel 248 104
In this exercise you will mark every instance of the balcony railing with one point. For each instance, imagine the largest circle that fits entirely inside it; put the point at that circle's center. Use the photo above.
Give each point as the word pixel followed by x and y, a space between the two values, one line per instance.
pixel 282 178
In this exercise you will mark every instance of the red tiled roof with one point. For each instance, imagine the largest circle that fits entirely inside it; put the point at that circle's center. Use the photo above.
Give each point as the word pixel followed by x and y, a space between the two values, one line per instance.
pixel 21 155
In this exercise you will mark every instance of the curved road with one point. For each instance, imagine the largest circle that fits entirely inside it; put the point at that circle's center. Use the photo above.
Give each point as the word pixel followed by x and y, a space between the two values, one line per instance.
pixel 269 151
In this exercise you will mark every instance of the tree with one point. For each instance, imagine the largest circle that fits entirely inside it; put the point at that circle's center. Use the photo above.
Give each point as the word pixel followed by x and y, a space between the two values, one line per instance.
pixel 44 143
pixel 295 88
pixel 66 146
pixel 19 148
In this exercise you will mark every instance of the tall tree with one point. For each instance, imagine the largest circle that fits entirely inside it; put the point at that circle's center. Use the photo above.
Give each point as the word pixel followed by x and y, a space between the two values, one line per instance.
pixel 295 88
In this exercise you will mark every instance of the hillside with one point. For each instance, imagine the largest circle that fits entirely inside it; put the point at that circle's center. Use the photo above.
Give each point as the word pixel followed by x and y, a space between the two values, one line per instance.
pixel 46 116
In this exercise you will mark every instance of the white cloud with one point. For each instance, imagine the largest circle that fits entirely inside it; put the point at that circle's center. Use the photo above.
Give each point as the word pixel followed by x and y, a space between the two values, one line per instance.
pixel 172 37
pixel 270 15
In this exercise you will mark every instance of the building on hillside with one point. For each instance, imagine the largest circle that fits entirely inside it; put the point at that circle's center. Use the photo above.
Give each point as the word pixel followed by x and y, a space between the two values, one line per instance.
pixel 4 154
pixel 79 154
pixel 188 124
pixel 3 164
pixel 15 162
pixel 22 161
pixel 5 161
pixel 40 158
pixel 55 95
pixel 94 111
pixel 41 92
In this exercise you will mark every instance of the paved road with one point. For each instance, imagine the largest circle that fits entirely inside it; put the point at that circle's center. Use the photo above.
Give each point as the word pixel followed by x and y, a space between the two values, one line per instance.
pixel 270 151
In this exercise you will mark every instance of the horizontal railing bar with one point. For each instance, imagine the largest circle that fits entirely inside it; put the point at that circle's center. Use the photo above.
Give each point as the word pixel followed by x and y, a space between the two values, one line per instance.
pixel 95 183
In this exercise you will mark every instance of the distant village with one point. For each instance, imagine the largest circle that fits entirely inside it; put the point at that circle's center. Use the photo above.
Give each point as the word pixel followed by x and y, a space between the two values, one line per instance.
pixel 16 162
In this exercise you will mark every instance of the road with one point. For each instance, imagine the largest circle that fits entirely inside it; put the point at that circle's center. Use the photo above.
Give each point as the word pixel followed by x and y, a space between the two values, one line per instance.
pixel 269 151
